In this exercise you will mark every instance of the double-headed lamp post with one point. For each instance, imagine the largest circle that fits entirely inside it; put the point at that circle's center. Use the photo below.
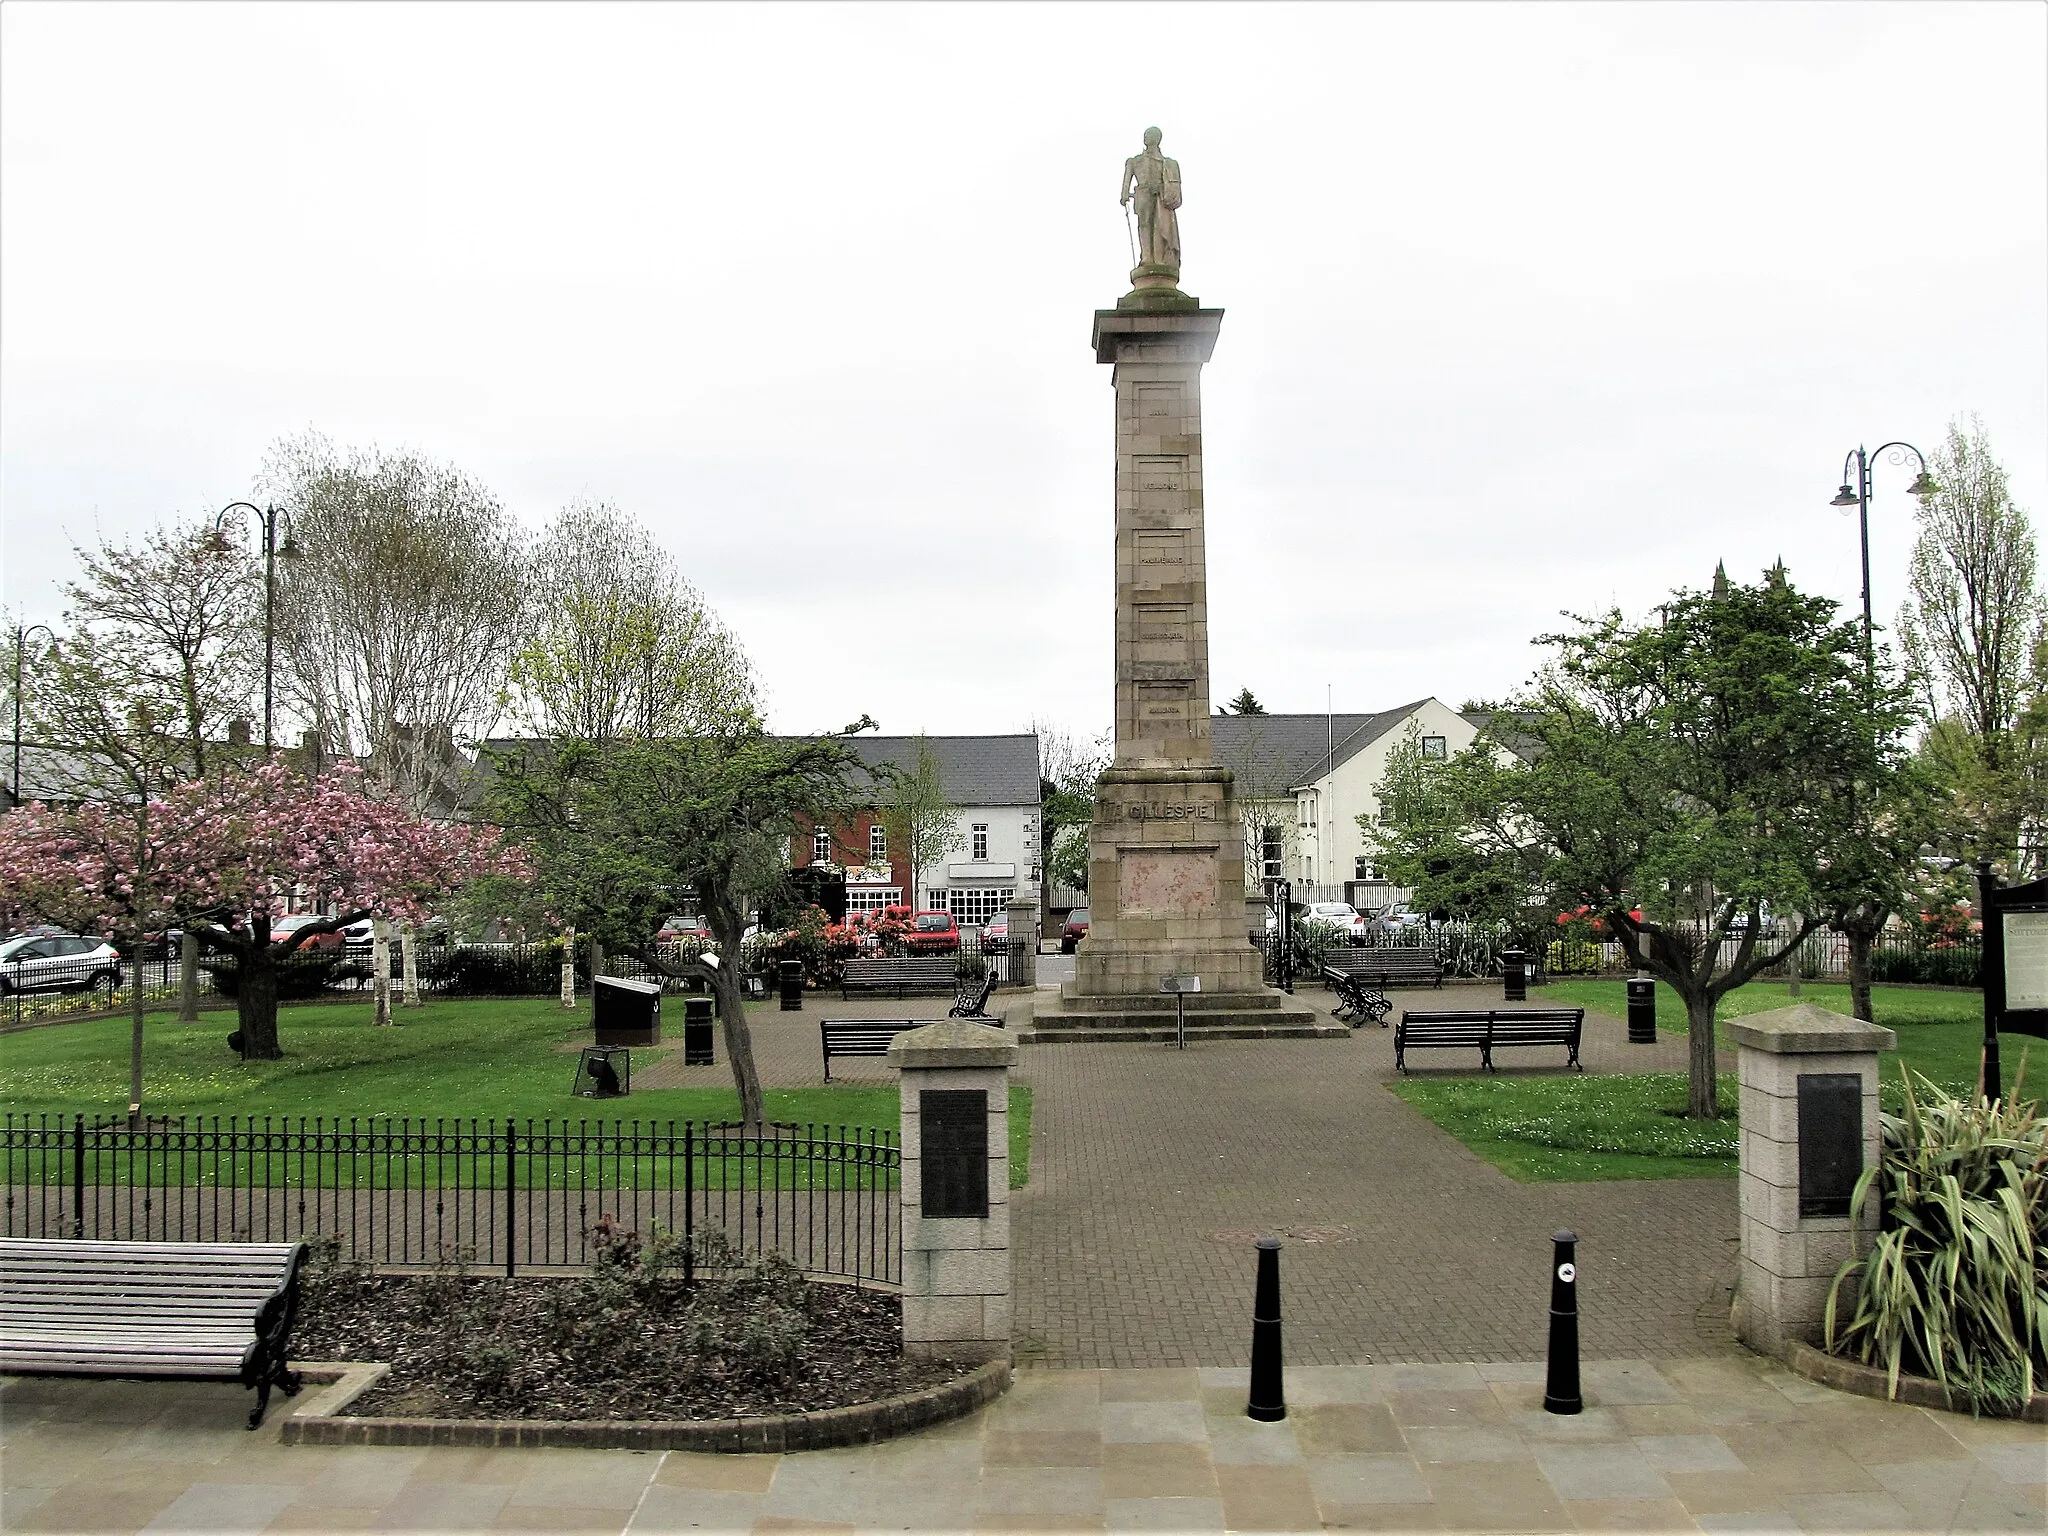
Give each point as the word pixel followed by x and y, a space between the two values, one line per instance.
pixel 267 519
pixel 1855 492
pixel 21 639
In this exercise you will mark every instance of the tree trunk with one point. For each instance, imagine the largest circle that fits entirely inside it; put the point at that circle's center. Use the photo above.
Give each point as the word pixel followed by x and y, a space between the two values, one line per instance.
pixel 1861 938
pixel 256 1003
pixel 569 969
pixel 596 960
pixel 726 918
pixel 380 970
pixel 1701 1101
pixel 408 948
pixel 188 979
pixel 135 994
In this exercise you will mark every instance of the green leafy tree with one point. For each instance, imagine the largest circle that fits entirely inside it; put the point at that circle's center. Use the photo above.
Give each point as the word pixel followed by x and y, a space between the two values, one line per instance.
pixel 617 642
pixel 1244 704
pixel 1069 767
pixel 615 831
pixel 917 817
pixel 1973 629
pixel 1677 779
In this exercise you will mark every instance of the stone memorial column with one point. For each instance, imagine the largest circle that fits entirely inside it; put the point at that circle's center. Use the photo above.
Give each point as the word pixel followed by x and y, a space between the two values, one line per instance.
pixel 955 1190
pixel 1809 1129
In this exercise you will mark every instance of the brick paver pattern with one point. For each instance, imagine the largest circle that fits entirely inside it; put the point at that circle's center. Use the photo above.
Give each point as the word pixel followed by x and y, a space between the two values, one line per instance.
pixel 1715 1444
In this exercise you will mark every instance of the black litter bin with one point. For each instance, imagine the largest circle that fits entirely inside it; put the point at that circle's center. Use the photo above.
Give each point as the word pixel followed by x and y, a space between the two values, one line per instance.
pixel 625 1012
pixel 792 973
pixel 1514 973
pixel 1642 1010
pixel 697 1013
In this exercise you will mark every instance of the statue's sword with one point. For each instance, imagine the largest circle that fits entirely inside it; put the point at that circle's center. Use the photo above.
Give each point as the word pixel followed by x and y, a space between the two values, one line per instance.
pixel 1130 230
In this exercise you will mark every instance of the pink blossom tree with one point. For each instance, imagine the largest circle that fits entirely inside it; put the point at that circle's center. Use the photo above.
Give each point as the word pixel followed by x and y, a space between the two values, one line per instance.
pixel 221 856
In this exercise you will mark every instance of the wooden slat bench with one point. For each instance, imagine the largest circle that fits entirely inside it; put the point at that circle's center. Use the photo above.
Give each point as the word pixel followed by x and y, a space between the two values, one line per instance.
pixel 861 1037
pixel 1489 1030
pixel 899 974
pixel 1360 977
pixel 76 1307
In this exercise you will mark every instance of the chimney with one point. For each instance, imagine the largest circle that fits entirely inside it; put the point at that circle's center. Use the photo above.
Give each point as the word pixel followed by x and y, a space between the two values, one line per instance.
pixel 238 732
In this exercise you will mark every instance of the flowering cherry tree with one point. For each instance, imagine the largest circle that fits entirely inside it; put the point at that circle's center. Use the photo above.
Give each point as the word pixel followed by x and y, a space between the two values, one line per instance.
pixel 221 856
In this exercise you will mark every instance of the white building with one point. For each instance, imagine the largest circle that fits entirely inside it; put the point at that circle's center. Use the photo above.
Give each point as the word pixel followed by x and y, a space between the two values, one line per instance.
pixel 1304 780
pixel 993 783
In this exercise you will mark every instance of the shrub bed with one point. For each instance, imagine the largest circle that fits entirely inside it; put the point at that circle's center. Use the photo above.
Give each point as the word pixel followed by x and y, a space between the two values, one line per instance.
pixel 634 1338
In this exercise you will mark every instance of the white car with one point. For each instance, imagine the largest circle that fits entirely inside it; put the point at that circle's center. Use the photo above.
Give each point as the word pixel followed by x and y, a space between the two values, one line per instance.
pixel 1338 914
pixel 50 962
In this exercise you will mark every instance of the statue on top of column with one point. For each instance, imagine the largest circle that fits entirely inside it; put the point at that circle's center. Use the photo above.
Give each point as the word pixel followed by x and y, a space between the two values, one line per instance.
pixel 1152 183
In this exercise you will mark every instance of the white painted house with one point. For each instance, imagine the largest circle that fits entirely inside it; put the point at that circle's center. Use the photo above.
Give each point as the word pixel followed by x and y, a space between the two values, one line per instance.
pixel 1304 780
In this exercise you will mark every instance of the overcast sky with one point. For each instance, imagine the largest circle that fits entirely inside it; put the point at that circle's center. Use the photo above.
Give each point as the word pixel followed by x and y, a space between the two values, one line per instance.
pixel 1527 308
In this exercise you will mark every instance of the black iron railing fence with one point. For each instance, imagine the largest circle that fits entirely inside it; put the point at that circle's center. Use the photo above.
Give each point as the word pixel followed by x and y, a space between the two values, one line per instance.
pixel 497 1193
pixel 66 985
pixel 1472 950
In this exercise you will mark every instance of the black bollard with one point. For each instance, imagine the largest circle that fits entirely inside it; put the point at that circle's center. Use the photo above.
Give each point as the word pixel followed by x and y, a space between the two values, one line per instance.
pixel 1561 1385
pixel 1268 1398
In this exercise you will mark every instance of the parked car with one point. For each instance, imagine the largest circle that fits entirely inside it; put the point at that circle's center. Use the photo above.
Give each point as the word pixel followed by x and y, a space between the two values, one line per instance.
pixel 282 929
pixel 682 928
pixel 932 933
pixel 49 962
pixel 1075 930
pixel 995 934
pixel 1398 920
pixel 1337 914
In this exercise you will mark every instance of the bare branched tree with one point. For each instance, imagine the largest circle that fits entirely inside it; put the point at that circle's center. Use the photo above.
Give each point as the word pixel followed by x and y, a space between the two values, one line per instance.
pixel 618 643
pixel 397 622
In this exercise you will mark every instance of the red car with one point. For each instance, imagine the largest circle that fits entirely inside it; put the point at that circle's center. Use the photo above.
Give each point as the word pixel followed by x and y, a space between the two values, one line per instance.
pixel 1075 931
pixel 283 928
pixel 932 933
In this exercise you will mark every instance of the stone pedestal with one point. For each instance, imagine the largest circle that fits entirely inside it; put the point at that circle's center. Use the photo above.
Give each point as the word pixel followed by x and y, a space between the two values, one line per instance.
pixel 1023 915
pixel 1794 1217
pixel 955 1106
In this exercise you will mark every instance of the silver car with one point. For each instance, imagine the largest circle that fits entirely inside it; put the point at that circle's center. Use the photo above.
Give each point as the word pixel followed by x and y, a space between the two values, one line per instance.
pixel 51 962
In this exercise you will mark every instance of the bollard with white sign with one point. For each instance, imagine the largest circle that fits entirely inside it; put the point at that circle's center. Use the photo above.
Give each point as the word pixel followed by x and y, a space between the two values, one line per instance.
pixel 1561 1379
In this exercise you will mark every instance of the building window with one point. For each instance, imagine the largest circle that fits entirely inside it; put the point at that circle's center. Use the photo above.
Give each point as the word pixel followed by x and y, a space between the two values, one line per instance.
pixel 973 906
pixel 980 842
pixel 1363 868
pixel 821 847
pixel 1271 853
pixel 878 843
pixel 872 898
pixel 1434 749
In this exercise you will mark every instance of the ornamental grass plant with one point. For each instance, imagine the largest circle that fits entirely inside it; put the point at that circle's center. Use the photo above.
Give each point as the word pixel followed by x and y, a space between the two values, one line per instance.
pixel 1954 1286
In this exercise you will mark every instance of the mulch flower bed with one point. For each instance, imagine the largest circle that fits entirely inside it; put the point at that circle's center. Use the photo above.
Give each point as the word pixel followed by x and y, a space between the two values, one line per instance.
pixel 632 1340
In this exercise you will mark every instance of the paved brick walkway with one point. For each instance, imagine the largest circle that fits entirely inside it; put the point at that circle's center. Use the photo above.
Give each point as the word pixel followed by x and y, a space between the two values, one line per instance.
pixel 1153 1169
pixel 1684 1446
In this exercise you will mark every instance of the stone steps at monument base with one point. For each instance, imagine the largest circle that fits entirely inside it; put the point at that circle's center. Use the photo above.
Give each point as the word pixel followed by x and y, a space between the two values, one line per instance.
pixel 1154 1002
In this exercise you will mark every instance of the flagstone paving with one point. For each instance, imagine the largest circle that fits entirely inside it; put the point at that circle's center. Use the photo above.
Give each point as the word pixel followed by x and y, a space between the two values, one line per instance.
pixel 1707 1444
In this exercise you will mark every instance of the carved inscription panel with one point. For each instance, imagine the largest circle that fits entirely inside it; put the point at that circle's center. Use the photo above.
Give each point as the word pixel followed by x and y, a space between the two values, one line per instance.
pixel 1162 704
pixel 1161 482
pixel 1160 556
pixel 1166 882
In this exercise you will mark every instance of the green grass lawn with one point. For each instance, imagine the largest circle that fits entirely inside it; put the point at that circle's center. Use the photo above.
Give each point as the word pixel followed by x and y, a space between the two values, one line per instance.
pixel 1575 1128
pixel 448 1060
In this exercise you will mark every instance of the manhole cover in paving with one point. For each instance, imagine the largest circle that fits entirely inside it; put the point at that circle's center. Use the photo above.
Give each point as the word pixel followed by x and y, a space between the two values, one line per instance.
pixel 1338 1233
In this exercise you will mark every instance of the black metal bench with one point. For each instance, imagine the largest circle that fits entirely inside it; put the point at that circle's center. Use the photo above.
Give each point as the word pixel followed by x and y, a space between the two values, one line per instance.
pixel 971 1000
pixel 861 1037
pixel 900 974
pixel 1357 998
pixel 1489 1030
pixel 79 1308
pixel 1360 978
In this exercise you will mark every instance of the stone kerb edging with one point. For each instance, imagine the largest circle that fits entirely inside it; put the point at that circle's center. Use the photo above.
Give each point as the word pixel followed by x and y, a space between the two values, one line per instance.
pixel 321 1421
pixel 1869 1381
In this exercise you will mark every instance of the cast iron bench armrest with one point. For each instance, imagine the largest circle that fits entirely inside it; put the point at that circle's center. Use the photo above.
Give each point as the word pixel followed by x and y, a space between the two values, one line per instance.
pixel 1357 998
pixel 75 1307
pixel 970 1001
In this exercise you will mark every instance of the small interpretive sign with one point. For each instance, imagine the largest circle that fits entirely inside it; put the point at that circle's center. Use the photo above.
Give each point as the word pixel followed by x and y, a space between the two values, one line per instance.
pixel 2026 960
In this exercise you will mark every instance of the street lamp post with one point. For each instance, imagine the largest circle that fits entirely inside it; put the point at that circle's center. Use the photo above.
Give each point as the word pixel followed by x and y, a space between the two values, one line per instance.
pixel 266 519
pixel 1855 492
pixel 21 638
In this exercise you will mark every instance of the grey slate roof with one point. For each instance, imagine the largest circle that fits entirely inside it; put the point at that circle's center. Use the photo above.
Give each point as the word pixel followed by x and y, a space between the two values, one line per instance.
pixel 1276 754
pixel 976 770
